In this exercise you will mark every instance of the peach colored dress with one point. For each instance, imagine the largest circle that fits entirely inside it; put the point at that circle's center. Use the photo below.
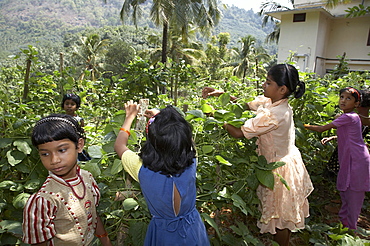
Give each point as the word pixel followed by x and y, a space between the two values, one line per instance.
pixel 273 125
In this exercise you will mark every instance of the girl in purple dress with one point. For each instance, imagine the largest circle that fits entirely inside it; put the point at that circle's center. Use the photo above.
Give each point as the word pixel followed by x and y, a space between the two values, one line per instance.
pixel 354 161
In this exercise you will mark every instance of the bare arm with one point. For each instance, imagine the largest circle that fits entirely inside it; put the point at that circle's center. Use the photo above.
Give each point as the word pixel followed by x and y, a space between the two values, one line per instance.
pixel 363 112
pixel 319 128
pixel 132 109
pixel 102 234
pixel 233 131
pixel 212 92
pixel 327 139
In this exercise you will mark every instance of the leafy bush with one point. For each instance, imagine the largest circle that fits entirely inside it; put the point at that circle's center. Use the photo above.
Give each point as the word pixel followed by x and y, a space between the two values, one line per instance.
pixel 229 170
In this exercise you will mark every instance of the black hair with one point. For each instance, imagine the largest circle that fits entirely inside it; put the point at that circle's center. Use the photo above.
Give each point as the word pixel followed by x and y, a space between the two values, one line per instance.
pixel 365 98
pixel 73 97
pixel 354 92
pixel 56 127
pixel 169 148
pixel 286 74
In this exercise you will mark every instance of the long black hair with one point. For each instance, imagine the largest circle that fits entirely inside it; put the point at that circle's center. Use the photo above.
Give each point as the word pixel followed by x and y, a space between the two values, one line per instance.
pixel 286 74
pixel 56 127
pixel 169 148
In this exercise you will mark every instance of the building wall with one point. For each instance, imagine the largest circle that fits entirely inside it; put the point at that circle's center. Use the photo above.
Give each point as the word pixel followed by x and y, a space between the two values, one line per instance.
pixel 300 38
pixel 349 35
pixel 318 42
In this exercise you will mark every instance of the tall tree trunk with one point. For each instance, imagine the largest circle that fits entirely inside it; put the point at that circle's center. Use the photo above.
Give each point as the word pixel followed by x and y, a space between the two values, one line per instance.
pixel 164 42
pixel 26 80
pixel 61 64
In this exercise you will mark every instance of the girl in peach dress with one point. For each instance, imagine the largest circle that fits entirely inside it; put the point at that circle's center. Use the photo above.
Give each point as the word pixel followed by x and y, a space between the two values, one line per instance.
pixel 282 210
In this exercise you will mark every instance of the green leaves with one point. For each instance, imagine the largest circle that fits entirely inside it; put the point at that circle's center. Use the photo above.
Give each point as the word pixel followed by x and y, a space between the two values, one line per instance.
pixel 15 157
pixel 23 146
pixel 222 160
pixel 117 167
pixel 14 227
pixel 129 204
pixel 20 200
pixel 264 172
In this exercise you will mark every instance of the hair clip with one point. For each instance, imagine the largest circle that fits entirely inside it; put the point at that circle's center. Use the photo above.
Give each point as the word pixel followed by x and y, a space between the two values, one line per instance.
pixel 353 91
pixel 150 121
pixel 47 119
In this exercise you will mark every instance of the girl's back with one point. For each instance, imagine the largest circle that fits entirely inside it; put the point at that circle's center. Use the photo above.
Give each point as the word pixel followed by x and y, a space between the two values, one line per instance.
pixel 167 228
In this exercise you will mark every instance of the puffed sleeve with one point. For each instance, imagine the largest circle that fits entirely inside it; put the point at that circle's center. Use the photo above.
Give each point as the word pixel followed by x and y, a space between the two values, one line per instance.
pixel 131 163
pixel 38 220
pixel 261 124
pixel 259 101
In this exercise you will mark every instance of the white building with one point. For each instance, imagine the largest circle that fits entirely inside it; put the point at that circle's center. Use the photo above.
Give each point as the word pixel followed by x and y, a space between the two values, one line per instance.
pixel 318 36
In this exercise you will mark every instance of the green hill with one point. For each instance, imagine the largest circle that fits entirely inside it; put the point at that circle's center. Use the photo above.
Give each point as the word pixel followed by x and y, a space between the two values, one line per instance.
pixel 46 22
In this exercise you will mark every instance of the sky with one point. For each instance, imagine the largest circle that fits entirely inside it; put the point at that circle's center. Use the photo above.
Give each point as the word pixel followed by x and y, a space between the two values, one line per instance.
pixel 253 4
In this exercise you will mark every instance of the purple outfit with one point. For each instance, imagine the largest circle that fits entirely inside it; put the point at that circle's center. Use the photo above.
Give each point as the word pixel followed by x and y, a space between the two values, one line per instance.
pixel 353 154
pixel 354 171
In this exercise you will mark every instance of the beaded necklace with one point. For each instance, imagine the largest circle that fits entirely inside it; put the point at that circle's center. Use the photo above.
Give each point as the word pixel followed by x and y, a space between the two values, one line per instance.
pixel 83 183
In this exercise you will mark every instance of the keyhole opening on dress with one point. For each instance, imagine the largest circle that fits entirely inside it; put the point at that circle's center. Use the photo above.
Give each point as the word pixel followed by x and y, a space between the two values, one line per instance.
pixel 176 200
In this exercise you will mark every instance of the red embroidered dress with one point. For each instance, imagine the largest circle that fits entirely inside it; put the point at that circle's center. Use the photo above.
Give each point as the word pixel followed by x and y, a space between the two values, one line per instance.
pixel 55 212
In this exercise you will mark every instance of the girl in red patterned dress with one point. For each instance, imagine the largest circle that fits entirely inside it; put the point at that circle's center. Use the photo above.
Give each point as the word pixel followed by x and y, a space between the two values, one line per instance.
pixel 63 211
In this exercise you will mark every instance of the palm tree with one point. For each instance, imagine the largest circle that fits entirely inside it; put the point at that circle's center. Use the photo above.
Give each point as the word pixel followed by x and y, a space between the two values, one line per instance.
pixel 89 52
pixel 176 15
pixel 249 53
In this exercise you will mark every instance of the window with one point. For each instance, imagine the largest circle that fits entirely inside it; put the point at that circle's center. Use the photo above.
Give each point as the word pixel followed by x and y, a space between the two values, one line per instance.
pixel 368 39
pixel 299 17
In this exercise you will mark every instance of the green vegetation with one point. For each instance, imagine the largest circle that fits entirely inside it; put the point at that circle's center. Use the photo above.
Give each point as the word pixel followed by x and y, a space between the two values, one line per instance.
pixel 48 23
pixel 229 170
pixel 109 65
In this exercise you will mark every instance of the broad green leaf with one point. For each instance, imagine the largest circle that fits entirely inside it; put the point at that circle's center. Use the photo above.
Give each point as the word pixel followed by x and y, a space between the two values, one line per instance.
pixel 266 178
pixel 4 142
pixel 211 222
pixel 237 110
pixel 15 157
pixel 93 168
pixel 137 232
pixel 224 99
pixel 222 160
pixel 238 202
pixel 10 185
pixel 117 167
pixel 95 151
pixel 11 226
pixel 109 147
pixel 20 200
pixel 224 193
pixel 23 146
pixel 206 108
pixel 207 149
pixel 33 184
pixel 129 204
pixel 223 115
pixel 194 113
pixel 262 161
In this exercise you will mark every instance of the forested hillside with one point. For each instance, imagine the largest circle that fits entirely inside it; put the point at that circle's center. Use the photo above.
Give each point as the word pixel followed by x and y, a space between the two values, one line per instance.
pixel 46 23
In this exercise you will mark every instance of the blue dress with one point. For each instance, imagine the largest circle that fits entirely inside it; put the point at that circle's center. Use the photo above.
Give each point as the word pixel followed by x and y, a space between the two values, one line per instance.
pixel 165 228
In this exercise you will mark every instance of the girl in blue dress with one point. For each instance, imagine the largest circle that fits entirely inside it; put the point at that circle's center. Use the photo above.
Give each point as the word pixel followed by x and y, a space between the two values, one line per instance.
pixel 166 170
